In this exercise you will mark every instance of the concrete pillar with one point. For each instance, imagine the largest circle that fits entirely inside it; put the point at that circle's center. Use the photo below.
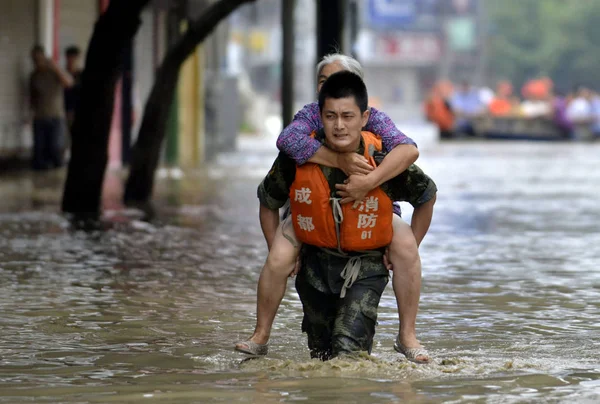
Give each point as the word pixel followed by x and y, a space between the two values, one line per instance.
pixel 188 112
pixel 47 25
pixel 200 113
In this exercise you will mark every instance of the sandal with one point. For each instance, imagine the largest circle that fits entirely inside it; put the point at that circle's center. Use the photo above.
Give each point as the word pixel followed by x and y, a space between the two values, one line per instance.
pixel 412 353
pixel 252 348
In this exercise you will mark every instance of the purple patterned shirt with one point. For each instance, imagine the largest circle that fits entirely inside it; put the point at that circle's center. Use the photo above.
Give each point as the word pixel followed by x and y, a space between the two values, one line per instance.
pixel 295 140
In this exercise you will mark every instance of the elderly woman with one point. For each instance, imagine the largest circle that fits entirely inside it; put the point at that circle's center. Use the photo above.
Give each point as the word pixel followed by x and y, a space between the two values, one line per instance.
pixel 296 142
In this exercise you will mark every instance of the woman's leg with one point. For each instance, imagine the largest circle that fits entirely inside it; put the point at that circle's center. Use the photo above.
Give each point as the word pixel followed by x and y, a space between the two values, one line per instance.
pixel 273 280
pixel 404 256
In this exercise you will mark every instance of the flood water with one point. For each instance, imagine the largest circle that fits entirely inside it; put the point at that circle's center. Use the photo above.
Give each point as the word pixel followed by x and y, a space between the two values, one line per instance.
pixel 149 312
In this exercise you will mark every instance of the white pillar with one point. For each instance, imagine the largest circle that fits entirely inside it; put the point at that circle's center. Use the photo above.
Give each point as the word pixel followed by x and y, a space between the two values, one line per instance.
pixel 45 26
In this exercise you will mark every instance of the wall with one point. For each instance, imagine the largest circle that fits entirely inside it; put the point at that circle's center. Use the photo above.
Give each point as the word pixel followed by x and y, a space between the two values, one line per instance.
pixel 17 35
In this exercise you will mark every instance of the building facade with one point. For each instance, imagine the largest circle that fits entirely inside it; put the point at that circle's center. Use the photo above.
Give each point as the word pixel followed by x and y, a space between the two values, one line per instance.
pixel 407 45
pixel 57 24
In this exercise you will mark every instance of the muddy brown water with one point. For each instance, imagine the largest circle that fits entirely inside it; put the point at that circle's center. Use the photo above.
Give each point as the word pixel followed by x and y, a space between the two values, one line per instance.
pixel 149 312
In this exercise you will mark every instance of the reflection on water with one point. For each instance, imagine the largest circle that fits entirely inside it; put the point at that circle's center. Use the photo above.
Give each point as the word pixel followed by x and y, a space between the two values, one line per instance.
pixel 142 311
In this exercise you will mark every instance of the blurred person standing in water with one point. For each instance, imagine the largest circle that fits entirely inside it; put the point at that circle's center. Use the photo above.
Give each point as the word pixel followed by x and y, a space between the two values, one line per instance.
pixel 559 114
pixel 596 114
pixel 579 109
pixel 46 85
pixel 466 104
pixel 502 105
pixel 438 109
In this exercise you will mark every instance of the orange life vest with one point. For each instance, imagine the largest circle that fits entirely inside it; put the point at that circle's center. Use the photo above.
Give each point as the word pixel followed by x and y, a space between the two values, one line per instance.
pixel 436 111
pixel 500 107
pixel 367 227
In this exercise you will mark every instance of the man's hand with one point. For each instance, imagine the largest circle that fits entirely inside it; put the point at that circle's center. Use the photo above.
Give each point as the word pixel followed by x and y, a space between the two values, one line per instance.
pixel 386 260
pixel 52 64
pixel 65 78
pixel 353 164
pixel 355 188
pixel 296 268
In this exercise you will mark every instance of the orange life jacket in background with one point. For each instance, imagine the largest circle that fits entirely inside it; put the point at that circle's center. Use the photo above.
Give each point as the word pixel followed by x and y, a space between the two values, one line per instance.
pixel 437 112
pixel 367 227
pixel 500 107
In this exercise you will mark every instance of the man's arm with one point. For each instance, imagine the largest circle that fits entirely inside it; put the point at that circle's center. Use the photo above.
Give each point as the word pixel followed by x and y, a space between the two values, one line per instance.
pixel 349 163
pixel 402 152
pixel 65 78
pixel 269 220
pixel 418 189
pixel 296 142
pixel 273 193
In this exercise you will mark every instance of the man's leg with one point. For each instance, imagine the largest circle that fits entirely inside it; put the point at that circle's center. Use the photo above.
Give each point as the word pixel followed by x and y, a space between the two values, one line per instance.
pixel 54 142
pixel 273 280
pixel 404 256
pixel 319 317
pixel 38 161
pixel 356 317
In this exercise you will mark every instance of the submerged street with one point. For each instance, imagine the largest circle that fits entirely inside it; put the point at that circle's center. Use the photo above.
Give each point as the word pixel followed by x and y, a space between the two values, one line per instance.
pixel 149 312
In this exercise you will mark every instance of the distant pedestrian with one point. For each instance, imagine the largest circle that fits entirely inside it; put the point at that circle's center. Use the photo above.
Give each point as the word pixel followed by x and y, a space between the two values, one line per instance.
pixel 596 114
pixel 46 85
pixel 466 105
pixel 439 111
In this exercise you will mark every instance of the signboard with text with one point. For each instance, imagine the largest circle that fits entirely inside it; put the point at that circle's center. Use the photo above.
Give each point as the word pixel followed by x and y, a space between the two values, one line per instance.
pixel 399 48
pixel 391 13
pixel 414 15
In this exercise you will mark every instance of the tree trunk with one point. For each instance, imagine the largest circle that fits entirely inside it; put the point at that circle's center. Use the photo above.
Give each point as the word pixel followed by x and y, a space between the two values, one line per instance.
pixel 146 151
pixel 89 146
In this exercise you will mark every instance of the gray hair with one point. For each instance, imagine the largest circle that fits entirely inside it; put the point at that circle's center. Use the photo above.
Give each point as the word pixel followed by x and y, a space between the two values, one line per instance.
pixel 346 62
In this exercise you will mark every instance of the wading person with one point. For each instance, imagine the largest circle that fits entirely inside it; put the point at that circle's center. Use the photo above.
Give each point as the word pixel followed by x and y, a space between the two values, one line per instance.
pixel 296 142
pixel 342 273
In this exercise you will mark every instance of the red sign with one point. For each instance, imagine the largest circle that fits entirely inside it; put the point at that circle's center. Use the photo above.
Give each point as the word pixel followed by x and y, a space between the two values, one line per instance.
pixel 408 48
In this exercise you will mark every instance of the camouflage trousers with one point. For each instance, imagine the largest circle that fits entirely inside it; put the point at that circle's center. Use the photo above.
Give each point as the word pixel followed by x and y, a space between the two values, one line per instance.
pixel 336 326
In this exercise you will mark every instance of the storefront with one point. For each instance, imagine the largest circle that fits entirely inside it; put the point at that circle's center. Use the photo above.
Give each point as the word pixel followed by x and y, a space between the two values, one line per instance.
pixel 58 24
pixel 54 24
pixel 18 34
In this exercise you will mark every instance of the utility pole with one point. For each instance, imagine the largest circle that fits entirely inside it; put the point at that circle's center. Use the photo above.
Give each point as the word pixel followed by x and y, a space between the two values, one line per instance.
pixel 287 63
pixel 483 43
pixel 330 27
pixel 352 27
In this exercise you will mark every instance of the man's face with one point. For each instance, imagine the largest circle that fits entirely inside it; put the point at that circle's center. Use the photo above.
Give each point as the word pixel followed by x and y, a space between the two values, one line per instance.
pixel 72 61
pixel 327 71
pixel 586 93
pixel 38 58
pixel 343 122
